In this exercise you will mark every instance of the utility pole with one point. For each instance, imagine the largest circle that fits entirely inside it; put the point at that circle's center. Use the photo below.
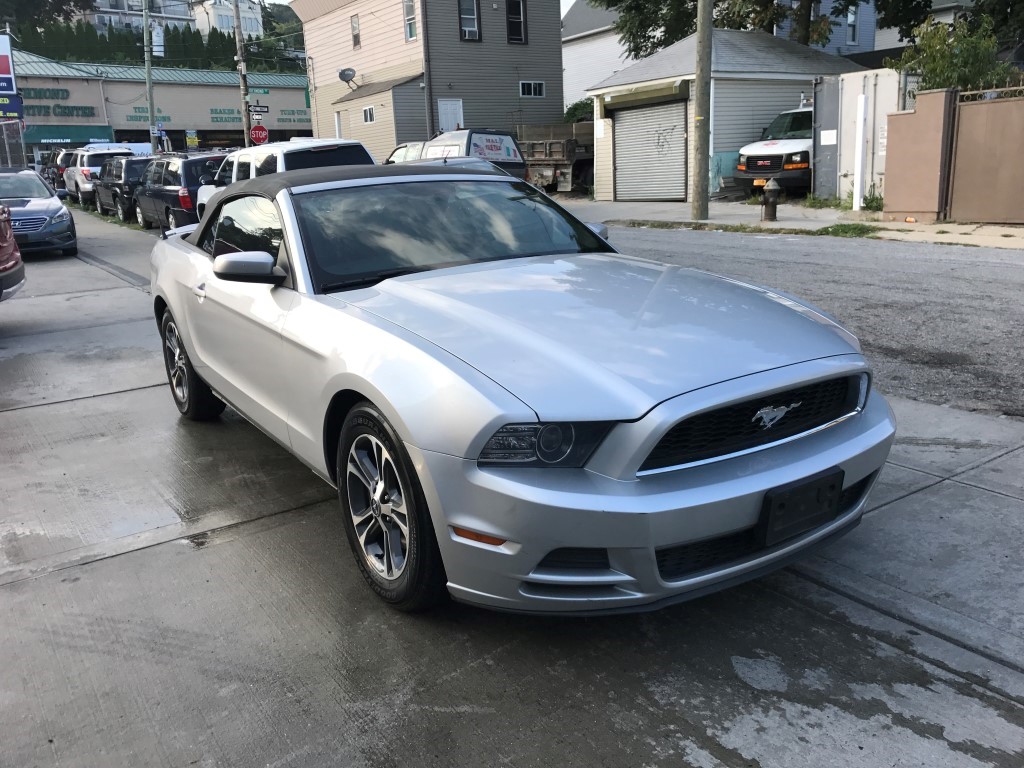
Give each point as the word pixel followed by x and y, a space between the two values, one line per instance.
pixel 702 111
pixel 147 44
pixel 243 77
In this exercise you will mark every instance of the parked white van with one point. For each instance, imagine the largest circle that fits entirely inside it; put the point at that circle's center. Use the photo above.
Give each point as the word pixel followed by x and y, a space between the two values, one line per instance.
pixel 280 156
pixel 783 153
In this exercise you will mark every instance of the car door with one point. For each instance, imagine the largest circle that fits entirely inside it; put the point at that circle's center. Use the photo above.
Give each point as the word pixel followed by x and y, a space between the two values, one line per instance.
pixel 69 171
pixel 149 188
pixel 102 187
pixel 236 327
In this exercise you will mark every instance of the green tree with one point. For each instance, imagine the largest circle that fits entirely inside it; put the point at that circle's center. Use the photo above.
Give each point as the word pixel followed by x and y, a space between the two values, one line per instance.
pixel 1007 19
pixel 38 12
pixel 647 26
pixel 580 110
pixel 956 56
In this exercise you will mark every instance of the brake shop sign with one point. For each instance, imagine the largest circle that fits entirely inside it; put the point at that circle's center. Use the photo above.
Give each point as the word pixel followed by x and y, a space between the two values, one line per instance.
pixel 6 67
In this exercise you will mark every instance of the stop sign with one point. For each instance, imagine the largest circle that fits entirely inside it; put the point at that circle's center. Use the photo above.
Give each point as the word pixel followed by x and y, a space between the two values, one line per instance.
pixel 259 134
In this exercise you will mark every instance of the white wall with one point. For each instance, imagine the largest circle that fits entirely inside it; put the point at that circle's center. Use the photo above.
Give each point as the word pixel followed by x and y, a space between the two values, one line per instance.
pixel 881 86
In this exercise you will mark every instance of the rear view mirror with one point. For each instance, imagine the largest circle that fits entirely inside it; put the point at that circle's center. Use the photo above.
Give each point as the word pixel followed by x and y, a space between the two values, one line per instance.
pixel 62 194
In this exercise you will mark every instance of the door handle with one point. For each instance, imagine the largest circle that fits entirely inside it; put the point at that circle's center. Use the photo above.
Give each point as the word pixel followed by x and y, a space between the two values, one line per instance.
pixel 200 290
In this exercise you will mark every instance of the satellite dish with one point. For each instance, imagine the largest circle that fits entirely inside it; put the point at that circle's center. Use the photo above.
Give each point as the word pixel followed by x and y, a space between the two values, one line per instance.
pixel 346 75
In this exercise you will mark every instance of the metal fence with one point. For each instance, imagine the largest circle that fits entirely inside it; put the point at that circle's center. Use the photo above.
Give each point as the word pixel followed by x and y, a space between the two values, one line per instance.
pixel 12 148
pixel 1013 92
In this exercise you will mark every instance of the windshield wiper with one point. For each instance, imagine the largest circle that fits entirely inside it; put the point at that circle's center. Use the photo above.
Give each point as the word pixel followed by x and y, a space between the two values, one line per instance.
pixel 372 278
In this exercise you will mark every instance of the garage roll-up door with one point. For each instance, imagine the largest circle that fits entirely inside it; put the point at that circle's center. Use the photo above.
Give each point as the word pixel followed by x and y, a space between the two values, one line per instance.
pixel 650 152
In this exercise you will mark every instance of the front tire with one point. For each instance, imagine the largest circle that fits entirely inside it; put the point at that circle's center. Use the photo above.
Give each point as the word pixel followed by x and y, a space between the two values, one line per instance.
pixel 143 221
pixel 194 399
pixel 385 514
pixel 123 212
pixel 99 206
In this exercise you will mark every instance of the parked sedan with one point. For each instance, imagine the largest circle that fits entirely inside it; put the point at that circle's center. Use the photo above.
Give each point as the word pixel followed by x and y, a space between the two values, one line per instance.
pixel 39 219
pixel 512 412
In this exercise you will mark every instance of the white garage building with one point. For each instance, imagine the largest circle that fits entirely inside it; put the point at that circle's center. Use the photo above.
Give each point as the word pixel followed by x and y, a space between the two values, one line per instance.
pixel 644 121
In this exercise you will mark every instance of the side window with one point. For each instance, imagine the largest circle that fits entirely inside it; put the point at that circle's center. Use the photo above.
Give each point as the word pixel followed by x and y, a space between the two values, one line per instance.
pixel 248 224
pixel 151 174
pixel 397 156
pixel 266 164
pixel 172 176
pixel 226 170
pixel 244 168
pixel 107 170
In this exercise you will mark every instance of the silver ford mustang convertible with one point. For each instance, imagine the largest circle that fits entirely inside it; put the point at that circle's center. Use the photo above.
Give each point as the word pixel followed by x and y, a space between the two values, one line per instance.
pixel 512 412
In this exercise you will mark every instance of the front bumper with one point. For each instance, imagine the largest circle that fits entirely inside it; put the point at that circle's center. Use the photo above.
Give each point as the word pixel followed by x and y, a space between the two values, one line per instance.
pixel 800 179
pixel 12 281
pixel 52 237
pixel 538 511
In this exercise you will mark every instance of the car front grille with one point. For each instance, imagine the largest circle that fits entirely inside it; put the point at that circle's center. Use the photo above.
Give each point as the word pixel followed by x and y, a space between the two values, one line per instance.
pixel 687 560
pixel 27 224
pixel 755 423
pixel 764 163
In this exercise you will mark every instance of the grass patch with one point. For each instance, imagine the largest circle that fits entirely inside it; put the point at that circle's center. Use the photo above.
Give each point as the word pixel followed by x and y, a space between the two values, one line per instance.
pixel 847 229
pixel 822 202
pixel 941 231
pixel 91 210
pixel 1006 234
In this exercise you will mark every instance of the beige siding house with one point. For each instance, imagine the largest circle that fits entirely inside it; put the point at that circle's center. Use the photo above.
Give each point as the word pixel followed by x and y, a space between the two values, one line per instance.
pixel 390 71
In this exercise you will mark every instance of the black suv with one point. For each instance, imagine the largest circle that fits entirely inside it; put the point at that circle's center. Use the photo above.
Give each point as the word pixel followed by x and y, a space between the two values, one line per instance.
pixel 167 192
pixel 115 189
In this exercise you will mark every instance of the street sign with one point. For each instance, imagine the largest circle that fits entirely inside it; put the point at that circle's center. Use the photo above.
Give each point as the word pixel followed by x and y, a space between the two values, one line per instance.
pixel 191 139
pixel 259 134
pixel 159 126
pixel 258 109
pixel 264 91
pixel 256 117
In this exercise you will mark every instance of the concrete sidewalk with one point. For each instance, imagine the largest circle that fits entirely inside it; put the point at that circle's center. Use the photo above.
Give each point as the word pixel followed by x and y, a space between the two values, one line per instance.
pixel 796 216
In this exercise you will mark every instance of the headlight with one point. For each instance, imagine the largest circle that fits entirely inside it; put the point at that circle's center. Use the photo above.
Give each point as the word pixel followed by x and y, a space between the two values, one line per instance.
pixel 553 444
pixel 61 216
pixel 743 159
pixel 799 157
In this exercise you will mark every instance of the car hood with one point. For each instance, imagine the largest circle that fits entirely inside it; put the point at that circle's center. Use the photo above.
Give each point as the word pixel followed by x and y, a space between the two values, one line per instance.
pixel 601 336
pixel 32 206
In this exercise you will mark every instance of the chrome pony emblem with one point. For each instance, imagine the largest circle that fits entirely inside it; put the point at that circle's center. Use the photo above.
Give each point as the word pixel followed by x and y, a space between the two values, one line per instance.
pixel 772 413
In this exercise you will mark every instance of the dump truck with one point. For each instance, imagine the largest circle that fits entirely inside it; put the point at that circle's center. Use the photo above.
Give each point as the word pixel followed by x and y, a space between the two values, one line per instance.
pixel 559 156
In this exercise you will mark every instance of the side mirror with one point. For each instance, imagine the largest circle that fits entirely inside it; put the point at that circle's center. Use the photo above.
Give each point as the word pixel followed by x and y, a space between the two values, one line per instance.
pixel 599 229
pixel 62 194
pixel 248 267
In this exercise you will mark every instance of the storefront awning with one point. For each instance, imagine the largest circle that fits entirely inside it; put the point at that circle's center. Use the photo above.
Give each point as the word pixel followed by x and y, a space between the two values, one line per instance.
pixel 67 134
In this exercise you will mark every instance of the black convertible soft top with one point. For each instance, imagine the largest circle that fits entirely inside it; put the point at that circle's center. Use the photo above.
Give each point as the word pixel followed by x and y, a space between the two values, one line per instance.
pixel 272 183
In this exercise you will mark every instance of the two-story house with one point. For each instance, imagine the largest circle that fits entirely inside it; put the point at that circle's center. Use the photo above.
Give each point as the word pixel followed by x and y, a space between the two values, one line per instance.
pixel 389 71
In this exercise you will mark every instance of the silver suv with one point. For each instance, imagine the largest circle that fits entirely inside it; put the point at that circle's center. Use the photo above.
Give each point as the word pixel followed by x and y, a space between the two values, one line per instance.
pixel 83 169
pixel 280 156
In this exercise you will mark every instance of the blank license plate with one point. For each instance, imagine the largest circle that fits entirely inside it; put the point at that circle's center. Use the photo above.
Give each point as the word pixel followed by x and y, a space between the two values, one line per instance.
pixel 760 182
pixel 796 508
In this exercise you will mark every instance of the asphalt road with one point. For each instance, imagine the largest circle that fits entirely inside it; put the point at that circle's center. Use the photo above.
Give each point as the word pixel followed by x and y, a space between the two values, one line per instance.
pixel 939 323
pixel 177 594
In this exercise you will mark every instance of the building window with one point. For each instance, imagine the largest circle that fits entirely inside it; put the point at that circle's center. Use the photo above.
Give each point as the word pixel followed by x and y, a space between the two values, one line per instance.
pixel 851 26
pixel 409 9
pixel 469 20
pixel 367 114
pixel 531 89
pixel 355 31
pixel 515 20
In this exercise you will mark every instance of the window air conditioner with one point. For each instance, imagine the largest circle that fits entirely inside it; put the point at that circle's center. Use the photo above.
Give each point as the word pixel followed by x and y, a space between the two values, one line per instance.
pixel 470 34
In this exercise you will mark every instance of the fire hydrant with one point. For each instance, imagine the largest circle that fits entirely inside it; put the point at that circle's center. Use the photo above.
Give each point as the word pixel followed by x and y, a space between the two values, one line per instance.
pixel 770 196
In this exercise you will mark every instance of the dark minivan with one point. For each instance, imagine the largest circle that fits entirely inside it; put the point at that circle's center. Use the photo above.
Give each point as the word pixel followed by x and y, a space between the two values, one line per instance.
pixel 167 193
pixel 115 190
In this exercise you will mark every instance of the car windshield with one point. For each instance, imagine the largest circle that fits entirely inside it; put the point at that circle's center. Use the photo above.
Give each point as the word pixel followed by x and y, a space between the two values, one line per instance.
pixel 96 160
pixel 358 235
pixel 17 185
pixel 320 157
pixel 790 125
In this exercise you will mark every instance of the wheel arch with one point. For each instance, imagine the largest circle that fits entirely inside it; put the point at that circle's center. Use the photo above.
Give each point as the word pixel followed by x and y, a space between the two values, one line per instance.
pixel 339 407
pixel 159 307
